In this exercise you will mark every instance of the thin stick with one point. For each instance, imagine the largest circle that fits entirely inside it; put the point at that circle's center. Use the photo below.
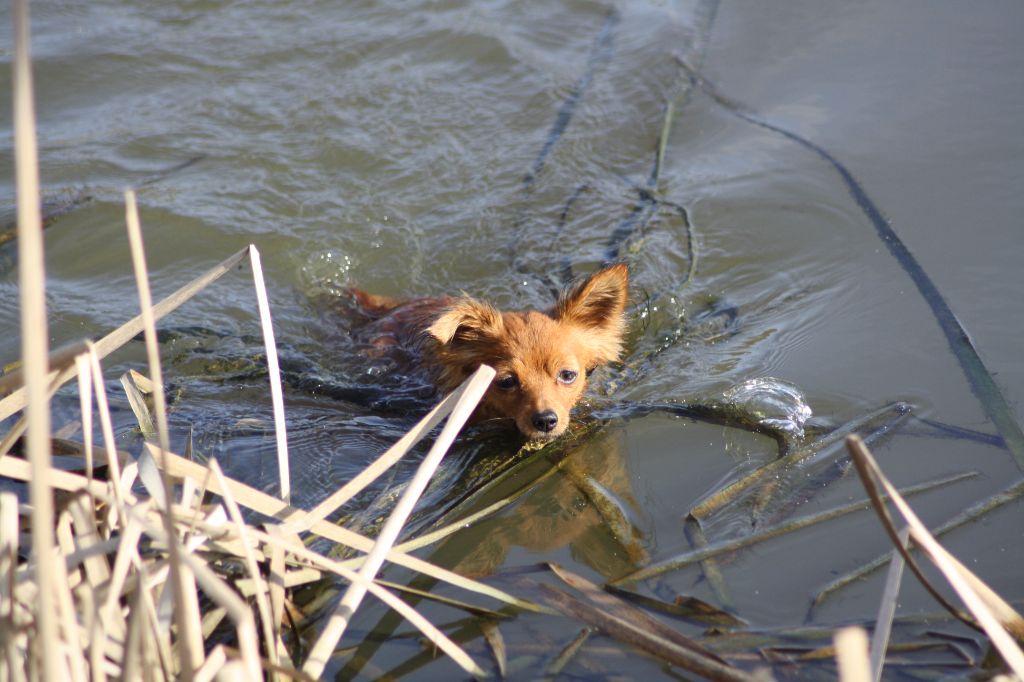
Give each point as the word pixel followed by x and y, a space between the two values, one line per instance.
pixel 34 348
pixel 887 609
pixel 107 427
pixel 981 381
pixel 659 159
pixel 274 371
pixel 709 565
pixel 353 596
pixel 873 425
pixel 566 654
pixel 85 402
pixel 186 606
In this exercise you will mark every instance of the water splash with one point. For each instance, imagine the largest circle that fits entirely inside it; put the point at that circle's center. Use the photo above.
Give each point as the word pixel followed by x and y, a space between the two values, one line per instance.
pixel 773 403
pixel 327 272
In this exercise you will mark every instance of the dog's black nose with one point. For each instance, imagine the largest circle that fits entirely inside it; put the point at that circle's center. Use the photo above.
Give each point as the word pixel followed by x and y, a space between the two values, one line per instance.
pixel 545 421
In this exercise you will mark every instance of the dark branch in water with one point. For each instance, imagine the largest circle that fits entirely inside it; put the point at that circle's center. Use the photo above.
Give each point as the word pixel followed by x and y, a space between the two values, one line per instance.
pixel 599 54
pixel 980 379
pixel 55 208
pixel 160 175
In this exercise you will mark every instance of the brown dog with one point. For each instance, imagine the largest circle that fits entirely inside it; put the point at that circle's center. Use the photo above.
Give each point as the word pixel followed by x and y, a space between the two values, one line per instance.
pixel 542 359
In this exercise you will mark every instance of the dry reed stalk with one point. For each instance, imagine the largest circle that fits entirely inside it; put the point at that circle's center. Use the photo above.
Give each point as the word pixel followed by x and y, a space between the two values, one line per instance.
pixel 58 359
pixel 215 662
pixel 85 409
pixel 337 622
pixel 489 614
pixel 20 426
pixel 851 646
pixel 273 369
pixel 330 565
pixel 182 583
pixel 277 584
pixel 971 513
pixel 34 349
pixel 107 429
pixel 9 657
pixel 995 616
pixel 497 643
pixel 137 401
pixel 262 600
pixel 887 609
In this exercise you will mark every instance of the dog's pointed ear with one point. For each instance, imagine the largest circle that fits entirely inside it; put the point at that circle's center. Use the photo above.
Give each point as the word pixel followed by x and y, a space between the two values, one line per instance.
pixel 598 304
pixel 467 321
pixel 598 301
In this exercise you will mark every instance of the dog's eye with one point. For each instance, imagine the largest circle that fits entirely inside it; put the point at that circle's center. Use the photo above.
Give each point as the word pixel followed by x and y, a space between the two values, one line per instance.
pixel 566 376
pixel 507 383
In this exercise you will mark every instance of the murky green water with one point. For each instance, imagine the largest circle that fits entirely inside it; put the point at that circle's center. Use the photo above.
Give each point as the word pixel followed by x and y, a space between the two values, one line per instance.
pixel 418 148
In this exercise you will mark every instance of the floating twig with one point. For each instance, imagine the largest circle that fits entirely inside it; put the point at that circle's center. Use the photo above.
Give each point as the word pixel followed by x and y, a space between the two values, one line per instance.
pixel 711 551
pixel 567 653
pixel 887 609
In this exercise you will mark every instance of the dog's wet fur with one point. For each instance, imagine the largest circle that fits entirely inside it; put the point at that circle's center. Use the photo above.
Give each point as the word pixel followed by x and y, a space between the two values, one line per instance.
pixel 542 359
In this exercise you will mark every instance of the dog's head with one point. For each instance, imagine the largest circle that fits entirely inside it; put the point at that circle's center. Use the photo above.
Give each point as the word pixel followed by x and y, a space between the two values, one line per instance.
pixel 542 359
